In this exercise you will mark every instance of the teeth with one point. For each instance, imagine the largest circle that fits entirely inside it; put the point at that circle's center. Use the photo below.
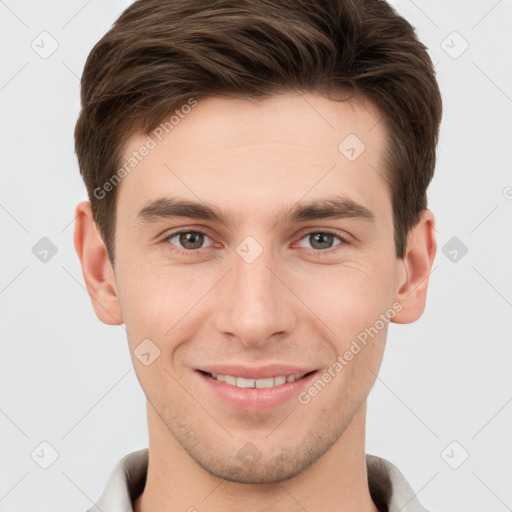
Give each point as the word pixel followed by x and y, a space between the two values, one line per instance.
pixel 242 382
pixel 264 383
pixel 228 379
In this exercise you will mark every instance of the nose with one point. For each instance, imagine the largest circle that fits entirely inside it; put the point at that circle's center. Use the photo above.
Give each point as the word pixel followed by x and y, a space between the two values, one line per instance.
pixel 256 304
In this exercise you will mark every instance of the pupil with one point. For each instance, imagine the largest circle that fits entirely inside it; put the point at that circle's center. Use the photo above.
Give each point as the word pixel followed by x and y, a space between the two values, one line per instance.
pixel 191 238
pixel 324 238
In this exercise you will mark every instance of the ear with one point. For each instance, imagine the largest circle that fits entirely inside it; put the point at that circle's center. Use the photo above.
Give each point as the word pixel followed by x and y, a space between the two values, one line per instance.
pixel 96 267
pixel 412 279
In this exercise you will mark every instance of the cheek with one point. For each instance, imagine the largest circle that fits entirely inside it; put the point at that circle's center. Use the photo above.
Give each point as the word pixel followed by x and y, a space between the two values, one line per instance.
pixel 147 301
pixel 349 297
pixel 162 303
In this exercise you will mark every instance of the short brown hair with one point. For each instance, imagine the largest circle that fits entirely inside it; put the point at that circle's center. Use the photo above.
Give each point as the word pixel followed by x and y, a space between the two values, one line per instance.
pixel 161 53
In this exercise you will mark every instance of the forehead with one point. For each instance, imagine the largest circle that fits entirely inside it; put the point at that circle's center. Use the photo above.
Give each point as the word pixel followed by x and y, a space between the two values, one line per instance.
pixel 255 154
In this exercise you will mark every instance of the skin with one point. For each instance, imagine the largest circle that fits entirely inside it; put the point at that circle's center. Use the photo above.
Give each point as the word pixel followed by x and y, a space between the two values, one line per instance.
pixel 292 305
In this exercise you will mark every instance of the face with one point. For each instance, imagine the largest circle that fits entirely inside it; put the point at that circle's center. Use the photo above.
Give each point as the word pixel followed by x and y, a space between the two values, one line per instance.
pixel 285 258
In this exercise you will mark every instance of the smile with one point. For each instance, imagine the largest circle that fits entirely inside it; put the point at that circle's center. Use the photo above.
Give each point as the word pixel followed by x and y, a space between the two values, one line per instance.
pixel 256 389
pixel 242 382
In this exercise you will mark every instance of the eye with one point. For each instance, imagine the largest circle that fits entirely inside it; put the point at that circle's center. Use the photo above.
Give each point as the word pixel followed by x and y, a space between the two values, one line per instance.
pixel 190 241
pixel 322 240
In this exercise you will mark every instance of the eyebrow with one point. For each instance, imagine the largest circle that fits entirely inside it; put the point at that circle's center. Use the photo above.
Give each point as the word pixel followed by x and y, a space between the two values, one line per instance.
pixel 332 208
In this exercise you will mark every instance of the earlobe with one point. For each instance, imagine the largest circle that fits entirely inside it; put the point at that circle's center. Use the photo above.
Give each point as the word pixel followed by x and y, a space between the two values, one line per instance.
pixel 413 279
pixel 96 267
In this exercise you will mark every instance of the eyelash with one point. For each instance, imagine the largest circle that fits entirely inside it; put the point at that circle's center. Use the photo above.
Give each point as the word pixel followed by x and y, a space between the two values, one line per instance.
pixel 317 252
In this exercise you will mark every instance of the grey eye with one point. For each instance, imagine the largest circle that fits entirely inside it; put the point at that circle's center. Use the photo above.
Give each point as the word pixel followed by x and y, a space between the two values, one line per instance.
pixel 189 240
pixel 321 240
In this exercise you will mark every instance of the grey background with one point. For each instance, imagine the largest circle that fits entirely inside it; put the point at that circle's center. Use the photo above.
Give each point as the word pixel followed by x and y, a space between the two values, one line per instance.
pixel 67 379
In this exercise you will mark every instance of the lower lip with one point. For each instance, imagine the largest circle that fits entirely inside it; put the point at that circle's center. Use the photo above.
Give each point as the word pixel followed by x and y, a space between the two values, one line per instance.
pixel 256 399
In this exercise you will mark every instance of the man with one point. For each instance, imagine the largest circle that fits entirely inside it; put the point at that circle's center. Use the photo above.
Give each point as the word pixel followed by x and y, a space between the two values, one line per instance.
pixel 257 176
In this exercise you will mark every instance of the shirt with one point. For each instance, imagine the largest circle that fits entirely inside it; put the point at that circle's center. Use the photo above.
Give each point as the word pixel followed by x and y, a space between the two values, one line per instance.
pixel 388 488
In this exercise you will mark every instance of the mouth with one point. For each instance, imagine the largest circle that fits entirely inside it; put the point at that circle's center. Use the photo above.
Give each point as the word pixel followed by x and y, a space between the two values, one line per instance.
pixel 255 390
pixel 244 382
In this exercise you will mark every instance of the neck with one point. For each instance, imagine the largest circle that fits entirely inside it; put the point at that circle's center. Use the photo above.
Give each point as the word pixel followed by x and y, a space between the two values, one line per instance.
pixel 337 481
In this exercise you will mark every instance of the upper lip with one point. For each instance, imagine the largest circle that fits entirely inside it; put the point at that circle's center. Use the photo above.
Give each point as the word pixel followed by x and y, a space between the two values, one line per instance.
pixel 257 372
